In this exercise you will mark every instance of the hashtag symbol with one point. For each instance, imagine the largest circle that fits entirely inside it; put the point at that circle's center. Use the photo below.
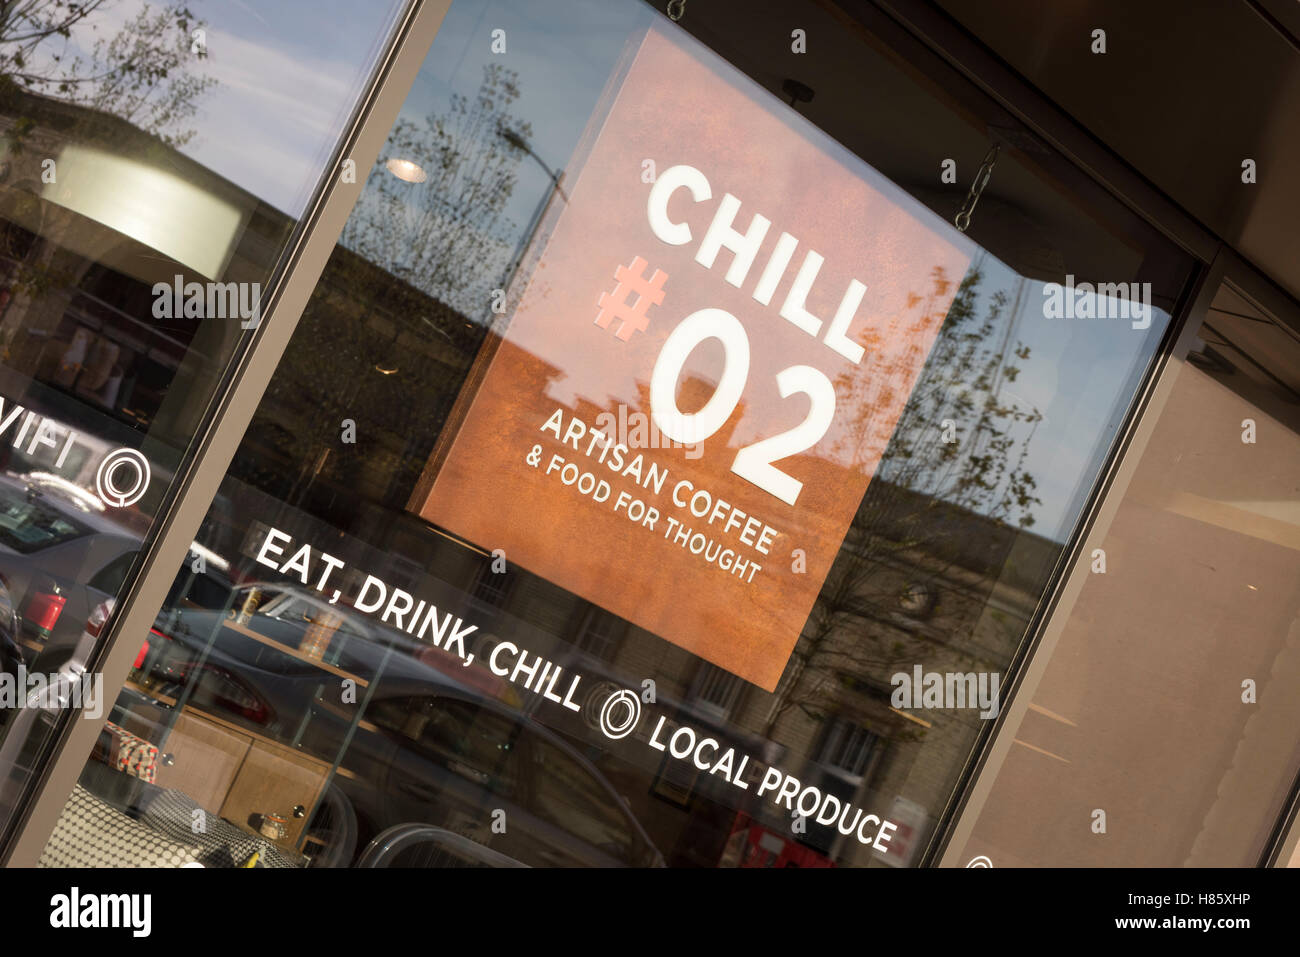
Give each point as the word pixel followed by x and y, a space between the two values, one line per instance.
pixel 614 305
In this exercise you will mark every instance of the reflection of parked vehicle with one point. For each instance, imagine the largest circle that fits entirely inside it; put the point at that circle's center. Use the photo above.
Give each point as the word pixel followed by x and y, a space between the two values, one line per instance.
pixel 437 756
pixel 417 743
pixel 58 560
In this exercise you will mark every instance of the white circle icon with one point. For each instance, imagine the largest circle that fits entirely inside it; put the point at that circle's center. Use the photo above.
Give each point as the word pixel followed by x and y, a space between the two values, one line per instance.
pixel 980 861
pixel 107 483
pixel 620 714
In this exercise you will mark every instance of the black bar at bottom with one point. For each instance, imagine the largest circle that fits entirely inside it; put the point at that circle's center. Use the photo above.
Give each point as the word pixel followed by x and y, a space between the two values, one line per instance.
pixel 326 908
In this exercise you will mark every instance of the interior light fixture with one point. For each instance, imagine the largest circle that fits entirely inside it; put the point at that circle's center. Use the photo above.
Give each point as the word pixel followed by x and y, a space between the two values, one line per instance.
pixel 195 220
pixel 404 169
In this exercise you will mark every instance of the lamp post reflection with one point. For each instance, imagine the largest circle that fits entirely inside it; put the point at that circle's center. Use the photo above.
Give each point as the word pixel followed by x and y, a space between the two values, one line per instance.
pixel 556 177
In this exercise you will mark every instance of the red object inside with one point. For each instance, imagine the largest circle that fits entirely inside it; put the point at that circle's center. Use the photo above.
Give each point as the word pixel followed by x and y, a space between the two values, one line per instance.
pixel 44 609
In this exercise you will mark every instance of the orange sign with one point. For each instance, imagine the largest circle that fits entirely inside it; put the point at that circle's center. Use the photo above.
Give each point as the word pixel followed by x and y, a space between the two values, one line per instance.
pixel 726 317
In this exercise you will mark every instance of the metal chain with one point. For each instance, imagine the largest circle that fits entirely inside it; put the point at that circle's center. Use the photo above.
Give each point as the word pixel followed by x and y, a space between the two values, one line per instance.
pixel 676 10
pixel 962 219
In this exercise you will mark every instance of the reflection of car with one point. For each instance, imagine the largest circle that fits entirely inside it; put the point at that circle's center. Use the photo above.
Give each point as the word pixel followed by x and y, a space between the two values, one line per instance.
pixel 418 743
pixel 287 615
pixel 437 756
pixel 57 561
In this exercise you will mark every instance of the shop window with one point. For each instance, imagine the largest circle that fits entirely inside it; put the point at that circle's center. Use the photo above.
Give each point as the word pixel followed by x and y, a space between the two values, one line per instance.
pixel 716 689
pixel 716 371
pixel 847 747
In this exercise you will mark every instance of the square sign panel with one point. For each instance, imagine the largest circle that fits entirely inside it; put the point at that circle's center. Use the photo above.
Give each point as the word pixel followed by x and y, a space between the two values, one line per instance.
pixel 724 319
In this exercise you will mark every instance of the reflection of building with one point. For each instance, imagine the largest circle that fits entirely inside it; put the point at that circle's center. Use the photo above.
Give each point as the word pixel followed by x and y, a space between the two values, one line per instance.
pixel 79 259
pixel 913 587
pixel 378 352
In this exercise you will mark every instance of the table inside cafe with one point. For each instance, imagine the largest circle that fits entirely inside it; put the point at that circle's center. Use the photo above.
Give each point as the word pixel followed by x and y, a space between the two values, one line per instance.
pixel 116 817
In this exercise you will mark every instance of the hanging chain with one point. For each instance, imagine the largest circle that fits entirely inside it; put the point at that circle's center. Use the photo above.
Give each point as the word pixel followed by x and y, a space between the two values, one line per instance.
pixel 962 219
pixel 676 10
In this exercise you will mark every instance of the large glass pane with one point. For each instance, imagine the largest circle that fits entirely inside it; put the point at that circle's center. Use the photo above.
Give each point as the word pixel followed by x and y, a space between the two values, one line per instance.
pixel 510 568
pixel 154 162
pixel 1168 705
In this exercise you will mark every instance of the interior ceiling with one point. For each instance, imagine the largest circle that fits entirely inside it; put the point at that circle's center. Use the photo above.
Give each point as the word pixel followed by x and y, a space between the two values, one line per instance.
pixel 904 112
pixel 1184 93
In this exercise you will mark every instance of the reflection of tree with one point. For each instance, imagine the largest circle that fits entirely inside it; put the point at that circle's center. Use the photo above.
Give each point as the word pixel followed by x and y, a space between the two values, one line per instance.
pixel 976 462
pixel 139 73
pixel 447 236
pixel 918 511
pixel 86 72
pixel 385 340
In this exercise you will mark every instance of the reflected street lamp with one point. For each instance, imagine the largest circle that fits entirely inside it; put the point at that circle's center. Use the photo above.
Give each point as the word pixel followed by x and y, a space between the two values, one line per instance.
pixel 556 177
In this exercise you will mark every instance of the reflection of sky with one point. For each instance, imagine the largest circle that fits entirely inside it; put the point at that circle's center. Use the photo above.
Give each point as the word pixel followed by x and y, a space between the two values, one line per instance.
pixel 1079 371
pixel 1079 375
pixel 288 75
pixel 563 51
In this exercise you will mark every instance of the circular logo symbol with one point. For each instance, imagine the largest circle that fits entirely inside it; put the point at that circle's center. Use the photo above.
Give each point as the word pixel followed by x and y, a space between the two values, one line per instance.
pixel 115 490
pixel 980 861
pixel 620 714
pixel 595 700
